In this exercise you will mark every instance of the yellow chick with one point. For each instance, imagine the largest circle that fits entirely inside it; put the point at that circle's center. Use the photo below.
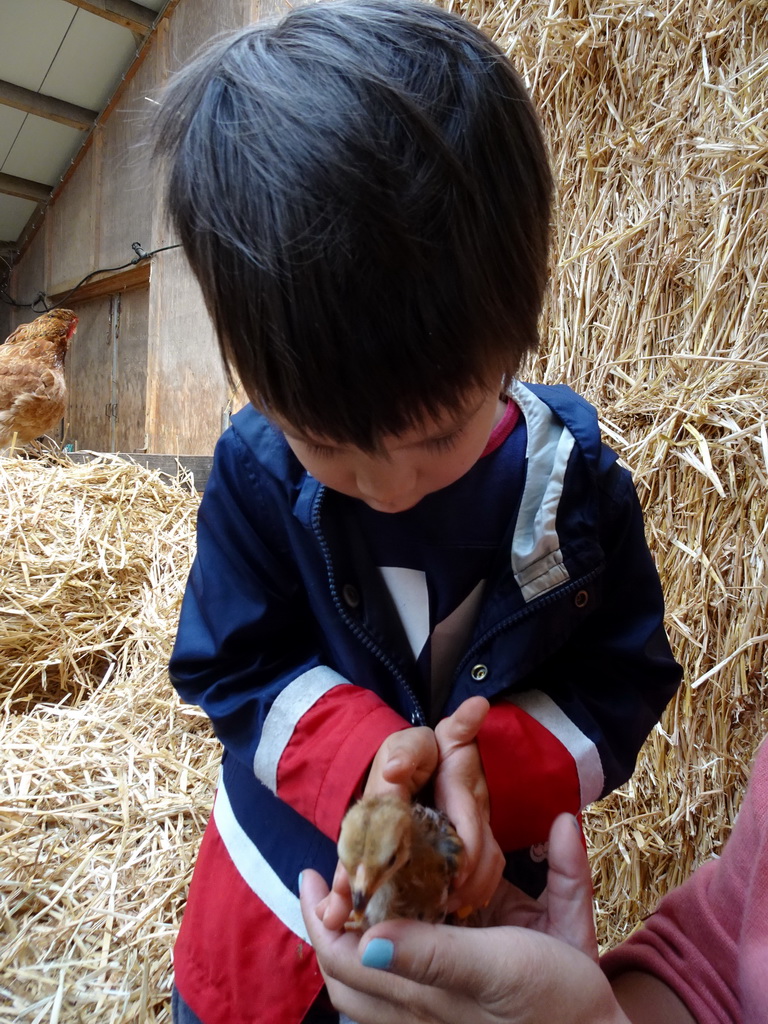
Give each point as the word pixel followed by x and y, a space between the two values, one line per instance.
pixel 401 859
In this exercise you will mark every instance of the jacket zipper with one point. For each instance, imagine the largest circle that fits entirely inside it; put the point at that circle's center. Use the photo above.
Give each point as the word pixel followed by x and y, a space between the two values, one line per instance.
pixel 505 624
pixel 417 714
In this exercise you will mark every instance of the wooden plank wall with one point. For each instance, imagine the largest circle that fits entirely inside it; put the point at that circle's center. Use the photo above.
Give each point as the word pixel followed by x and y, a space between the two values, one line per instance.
pixel 70 228
pixel 131 311
pixel 29 278
pixel 89 375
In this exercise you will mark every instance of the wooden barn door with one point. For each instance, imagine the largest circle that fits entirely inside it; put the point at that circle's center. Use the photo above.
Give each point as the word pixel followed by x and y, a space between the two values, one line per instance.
pixel 130 314
pixel 107 374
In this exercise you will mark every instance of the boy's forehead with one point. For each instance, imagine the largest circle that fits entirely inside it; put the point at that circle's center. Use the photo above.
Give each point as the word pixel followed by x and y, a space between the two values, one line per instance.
pixel 425 428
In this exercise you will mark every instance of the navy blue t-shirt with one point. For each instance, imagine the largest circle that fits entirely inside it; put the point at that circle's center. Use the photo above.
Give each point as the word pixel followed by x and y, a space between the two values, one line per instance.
pixel 436 557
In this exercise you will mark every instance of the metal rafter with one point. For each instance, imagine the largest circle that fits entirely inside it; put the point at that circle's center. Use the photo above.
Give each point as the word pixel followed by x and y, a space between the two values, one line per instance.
pixel 23 188
pixel 131 15
pixel 46 106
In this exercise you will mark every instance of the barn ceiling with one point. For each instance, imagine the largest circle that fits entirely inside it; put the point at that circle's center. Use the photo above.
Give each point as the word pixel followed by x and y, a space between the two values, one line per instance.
pixel 60 63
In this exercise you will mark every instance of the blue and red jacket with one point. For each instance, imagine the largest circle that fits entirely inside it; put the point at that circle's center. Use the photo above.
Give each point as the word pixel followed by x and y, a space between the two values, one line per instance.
pixel 282 642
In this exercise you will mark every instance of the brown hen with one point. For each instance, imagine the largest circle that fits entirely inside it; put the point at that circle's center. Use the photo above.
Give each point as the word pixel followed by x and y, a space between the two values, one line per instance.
pixel 32 387
pixel 401 859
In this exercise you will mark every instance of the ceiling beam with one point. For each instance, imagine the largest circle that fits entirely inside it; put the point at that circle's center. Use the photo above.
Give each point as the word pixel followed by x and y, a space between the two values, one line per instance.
pixel 46 106
pixel 130 15
pixel 35 221
pixel 23 188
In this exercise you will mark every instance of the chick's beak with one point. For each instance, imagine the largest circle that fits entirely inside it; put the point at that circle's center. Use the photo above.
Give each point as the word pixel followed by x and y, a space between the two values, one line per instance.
pixel 360 894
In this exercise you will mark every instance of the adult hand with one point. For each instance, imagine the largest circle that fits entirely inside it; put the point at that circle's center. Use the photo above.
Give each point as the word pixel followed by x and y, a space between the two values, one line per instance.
pixel 508 974
pixel 564 911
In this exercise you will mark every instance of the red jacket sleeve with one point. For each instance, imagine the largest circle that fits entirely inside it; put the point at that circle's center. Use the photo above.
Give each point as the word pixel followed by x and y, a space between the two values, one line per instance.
pixel 328 750
pixel 531 775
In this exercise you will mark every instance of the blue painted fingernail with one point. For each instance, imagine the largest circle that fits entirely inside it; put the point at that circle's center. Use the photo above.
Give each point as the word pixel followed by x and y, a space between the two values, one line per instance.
pixel 301 875
pixel 379 953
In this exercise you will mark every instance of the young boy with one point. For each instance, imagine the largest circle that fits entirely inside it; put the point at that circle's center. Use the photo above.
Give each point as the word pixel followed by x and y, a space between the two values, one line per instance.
pixel 395 525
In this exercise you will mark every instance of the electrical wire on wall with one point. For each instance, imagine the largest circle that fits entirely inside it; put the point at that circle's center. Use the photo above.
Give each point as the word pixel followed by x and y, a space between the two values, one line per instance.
pixel 40 305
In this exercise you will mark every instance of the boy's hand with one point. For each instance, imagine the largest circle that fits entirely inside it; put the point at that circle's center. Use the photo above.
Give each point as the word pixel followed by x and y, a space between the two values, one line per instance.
pixel 461 792
pixel 404 762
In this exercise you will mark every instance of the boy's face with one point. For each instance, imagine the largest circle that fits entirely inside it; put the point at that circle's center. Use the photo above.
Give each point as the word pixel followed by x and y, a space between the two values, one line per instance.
pixel 410 465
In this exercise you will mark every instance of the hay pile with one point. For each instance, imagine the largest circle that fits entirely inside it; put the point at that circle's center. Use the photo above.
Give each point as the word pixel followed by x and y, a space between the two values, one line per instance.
pixel 658 312
pixel 106 778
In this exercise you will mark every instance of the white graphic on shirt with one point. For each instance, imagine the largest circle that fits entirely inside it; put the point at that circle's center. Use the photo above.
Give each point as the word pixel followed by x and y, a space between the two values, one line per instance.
pixel 449 638
pixel 408 588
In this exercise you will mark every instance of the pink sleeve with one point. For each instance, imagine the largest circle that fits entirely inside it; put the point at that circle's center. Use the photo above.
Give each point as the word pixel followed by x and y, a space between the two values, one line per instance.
pixel 708 940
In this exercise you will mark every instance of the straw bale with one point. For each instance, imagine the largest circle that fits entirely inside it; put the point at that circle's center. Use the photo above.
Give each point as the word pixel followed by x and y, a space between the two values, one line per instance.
pixel 656 116
pixel 657 120
pixel 106 777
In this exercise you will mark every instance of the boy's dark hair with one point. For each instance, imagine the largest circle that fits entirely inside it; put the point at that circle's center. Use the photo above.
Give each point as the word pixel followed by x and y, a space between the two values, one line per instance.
pixel 363 194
